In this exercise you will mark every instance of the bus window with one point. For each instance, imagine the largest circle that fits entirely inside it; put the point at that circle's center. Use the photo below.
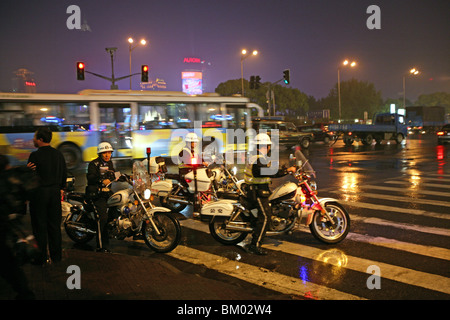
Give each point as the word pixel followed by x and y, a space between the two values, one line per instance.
pixel 161 116
pixel 210 115
pixel 236 116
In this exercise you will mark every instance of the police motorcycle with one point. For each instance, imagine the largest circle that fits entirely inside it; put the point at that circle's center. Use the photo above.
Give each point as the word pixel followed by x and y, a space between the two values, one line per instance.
pixel 130 210
pixel 194 184
pixel 293 205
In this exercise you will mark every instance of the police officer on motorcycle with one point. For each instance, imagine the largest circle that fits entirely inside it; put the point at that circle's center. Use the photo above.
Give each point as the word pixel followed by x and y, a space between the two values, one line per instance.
pixel 191 153
pixel 258 179
pixel 100 174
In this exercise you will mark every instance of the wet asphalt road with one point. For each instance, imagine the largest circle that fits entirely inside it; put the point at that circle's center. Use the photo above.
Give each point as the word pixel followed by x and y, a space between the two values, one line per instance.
pixel 399 203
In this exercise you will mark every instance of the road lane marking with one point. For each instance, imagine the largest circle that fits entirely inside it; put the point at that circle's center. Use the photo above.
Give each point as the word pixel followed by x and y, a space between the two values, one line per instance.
pixel 399 225
pixel 392 272
pixel 420 183
pixel 380 207
pixel 260 276
pixel 396 273
pixel 403 190
pixel 394 198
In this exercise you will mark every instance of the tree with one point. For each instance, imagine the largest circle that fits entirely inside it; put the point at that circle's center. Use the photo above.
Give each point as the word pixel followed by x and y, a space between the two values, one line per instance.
pixel 356 98
pixel 288 101
pixel 435 99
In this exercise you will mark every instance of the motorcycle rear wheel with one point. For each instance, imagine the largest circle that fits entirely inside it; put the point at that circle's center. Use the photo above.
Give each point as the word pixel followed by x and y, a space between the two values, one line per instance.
pixel 219 233
pixel 172 205
pixel 322 230
pixel 170 233
pixel 77 236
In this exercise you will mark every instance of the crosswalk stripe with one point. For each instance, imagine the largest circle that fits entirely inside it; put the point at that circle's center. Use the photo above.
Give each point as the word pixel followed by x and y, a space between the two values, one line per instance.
pixel 433 252
pixel 422 184
pixel 427 192
pixel 401 274
pixel 434 179
pixel 367 205
pixel 399 225
pixel 394 198
pixel 396 273
pixel 259 276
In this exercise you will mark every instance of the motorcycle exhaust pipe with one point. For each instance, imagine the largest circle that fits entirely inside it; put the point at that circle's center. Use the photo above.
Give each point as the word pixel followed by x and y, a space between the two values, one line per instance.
pixel 178 200
pixel 235 227
pixel 79 227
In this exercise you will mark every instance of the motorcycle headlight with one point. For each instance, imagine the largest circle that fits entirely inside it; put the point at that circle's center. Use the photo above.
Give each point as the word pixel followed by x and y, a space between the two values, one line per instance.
pixel 147 194
pixel 234 170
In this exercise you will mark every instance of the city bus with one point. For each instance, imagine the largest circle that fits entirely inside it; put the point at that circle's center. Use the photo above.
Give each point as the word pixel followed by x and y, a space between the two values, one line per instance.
pixel 131 121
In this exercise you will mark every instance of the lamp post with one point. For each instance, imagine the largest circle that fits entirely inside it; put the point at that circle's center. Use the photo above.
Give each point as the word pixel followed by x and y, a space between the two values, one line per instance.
pixel 131 47
pixel 245 55
pixel 345 63
pixel 413 72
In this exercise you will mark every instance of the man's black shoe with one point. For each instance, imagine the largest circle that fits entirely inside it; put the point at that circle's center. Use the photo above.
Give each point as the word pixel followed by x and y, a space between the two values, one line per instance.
pixel 257 250
pixel 103 250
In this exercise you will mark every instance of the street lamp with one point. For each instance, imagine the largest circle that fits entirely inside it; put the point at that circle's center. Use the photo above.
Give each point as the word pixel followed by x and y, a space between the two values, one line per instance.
pixel 244 55
pixel 131 47
pixel 345 63
pixel 413 72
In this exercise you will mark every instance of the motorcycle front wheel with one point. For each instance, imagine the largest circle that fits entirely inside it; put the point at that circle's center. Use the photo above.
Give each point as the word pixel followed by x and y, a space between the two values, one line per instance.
pixel 170 233
pixel 217 228
pixel 324 230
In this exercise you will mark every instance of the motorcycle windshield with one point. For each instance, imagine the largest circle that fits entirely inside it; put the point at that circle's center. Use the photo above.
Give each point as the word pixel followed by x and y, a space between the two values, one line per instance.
pixel 141 178
pixel 304 163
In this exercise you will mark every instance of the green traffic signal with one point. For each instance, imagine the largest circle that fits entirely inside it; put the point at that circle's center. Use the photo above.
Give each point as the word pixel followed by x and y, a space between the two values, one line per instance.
pixel 286 76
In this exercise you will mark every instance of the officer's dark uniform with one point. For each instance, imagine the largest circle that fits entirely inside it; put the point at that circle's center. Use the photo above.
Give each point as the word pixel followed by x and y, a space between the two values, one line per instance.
pixel 93 190
pixel 45 204
pixel 258 196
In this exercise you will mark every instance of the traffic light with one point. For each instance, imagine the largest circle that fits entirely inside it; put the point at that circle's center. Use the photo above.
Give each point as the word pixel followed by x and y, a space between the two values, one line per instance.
pixel 80 70
pixel 257 82
pixel 286 76
pixel 252 82
pixel 144 73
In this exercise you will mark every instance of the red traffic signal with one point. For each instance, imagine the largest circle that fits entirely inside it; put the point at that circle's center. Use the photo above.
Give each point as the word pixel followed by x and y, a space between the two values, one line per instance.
pixel 144 73
pixel 80 70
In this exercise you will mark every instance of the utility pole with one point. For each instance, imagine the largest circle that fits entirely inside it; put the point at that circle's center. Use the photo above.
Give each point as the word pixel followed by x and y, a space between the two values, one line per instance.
pixel 112 79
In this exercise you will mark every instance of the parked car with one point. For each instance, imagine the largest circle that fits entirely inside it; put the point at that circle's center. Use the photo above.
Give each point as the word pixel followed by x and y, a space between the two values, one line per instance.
pixel 443 135
pixel 289 136
pixel 319 133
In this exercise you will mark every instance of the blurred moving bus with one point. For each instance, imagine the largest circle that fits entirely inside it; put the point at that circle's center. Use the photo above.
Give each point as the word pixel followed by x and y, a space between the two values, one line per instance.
pixel 130 120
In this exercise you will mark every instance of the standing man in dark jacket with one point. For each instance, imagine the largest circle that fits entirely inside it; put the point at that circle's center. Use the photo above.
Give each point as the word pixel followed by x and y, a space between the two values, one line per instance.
pixel 45 204
pixel 99 175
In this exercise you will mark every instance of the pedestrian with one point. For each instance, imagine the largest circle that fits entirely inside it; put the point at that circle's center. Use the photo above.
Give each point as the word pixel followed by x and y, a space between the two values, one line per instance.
pixel 45 203
pixel 100 174
pixel 12 201
pixel 258 191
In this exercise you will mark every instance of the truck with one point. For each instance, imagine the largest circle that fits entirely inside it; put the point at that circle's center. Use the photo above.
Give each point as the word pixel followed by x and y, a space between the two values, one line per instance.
pixel 422 119
pixel 386 126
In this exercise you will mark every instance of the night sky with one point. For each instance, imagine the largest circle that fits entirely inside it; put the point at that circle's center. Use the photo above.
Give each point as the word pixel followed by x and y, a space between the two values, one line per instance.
pixel 311 38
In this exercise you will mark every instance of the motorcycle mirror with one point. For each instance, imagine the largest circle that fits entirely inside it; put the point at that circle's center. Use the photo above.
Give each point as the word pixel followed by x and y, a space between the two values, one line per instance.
pixel 291 159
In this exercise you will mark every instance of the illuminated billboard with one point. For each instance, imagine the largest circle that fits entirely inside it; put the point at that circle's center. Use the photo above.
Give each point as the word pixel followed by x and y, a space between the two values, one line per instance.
pixel 192 82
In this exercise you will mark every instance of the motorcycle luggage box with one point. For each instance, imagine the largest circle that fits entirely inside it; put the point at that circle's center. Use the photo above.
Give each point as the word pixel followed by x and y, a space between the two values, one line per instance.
pixel 203 180
pixel 218 208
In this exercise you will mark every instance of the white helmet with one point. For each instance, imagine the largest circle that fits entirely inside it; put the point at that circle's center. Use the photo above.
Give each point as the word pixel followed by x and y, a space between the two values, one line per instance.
pixel 191 137
pixel 262 138
pixel 104 147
